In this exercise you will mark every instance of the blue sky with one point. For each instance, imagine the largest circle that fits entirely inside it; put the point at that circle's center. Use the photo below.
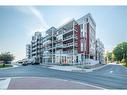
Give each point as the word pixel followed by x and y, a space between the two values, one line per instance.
pixel 18 24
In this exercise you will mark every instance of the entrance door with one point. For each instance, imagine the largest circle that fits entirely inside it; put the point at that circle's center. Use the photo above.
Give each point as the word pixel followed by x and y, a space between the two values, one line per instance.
pixel 76 59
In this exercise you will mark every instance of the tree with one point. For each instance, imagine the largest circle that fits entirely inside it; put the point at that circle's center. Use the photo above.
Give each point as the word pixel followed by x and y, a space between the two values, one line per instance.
pixel 6 57
pixel 120 52
pixel 109 56
pixel 113 57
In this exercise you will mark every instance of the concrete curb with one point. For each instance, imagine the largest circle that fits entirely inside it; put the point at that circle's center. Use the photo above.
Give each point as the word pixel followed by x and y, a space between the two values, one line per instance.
pixel 78 69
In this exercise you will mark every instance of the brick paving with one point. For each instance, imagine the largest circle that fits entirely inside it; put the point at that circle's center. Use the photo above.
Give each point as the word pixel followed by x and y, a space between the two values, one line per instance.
pixel 46 83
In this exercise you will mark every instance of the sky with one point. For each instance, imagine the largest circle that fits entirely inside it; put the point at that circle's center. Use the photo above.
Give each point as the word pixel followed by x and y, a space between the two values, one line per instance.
pixel 18 24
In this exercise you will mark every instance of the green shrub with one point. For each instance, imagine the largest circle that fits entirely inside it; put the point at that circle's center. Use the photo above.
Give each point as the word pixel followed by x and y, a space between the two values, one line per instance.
pixel 5 66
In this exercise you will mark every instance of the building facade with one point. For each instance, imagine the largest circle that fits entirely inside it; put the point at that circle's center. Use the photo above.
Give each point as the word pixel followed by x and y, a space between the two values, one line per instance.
pixel 72 43
pixel 67 43
pixel 48 47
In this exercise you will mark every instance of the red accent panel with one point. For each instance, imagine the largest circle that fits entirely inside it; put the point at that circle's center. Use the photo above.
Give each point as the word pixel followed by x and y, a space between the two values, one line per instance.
pixel 79 39
pixel 87 39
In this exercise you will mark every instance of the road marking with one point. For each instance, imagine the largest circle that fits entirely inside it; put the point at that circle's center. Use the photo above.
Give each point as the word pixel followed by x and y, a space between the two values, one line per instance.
pixel 111 72
pixel 5 83
pixel 87 84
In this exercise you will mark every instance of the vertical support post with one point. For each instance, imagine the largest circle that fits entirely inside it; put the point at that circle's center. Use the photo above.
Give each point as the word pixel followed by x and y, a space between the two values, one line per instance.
pixel 60 57
pixel 52 45
pixel 84 54
pixel 73 41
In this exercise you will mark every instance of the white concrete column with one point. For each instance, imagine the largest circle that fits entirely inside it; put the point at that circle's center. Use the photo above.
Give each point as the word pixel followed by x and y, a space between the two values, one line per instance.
pixel 73 41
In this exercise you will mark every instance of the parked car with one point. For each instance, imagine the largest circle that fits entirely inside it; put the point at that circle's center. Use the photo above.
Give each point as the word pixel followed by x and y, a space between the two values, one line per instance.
pixel 35 63
pixel 24 64
pixel 19 62
pixel 29 63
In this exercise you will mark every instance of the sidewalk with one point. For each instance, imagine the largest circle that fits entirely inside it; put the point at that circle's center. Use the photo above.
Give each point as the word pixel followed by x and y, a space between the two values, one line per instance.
pixel 74 68
pixel 65 68
pixel 28 83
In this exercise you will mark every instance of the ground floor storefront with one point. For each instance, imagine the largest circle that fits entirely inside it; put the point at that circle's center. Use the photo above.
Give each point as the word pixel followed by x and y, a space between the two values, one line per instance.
pixel 69 59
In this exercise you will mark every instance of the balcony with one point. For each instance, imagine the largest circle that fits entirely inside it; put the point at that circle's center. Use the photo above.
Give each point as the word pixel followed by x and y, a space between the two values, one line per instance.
pixel 58 46
pixel 69 38
pixel 57 41
pixel 67 31
pixel 70 45
pixel 49 47
pixel 70 52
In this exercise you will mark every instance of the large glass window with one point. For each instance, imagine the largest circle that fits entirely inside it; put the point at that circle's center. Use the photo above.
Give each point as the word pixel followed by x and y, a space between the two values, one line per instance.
pixel 81 33
pixel 81 45
pixel 60 37
pixel 86 19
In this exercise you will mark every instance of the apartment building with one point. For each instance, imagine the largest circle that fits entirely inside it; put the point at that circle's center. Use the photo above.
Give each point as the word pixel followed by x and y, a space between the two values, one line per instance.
pixel 72 43
pixel 36 47
pixel 87 39
pixel 28 51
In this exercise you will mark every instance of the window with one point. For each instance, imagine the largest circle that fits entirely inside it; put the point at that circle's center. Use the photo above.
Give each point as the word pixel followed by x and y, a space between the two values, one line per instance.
pixel 82 57
pixel 60 37
pixel 81 33
pixel 86 19
pixel 81 26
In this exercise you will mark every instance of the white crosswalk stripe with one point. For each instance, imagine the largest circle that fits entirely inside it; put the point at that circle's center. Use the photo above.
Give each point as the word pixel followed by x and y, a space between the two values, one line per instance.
pixel 4 83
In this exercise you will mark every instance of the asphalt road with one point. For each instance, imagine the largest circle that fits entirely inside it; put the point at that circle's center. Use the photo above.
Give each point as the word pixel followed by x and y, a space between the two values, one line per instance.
pixel 108 77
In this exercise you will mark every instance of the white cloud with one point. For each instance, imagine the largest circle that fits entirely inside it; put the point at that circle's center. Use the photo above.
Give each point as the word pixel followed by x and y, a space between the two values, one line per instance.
pixel 39 16
pixel 65 20
pixel 32 30
pixel 33 11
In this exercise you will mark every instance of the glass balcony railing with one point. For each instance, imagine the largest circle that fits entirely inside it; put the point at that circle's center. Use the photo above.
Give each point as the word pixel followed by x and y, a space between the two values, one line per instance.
pixel 70 44
pixel 67 31
pixel 69 37
pixel 70 52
